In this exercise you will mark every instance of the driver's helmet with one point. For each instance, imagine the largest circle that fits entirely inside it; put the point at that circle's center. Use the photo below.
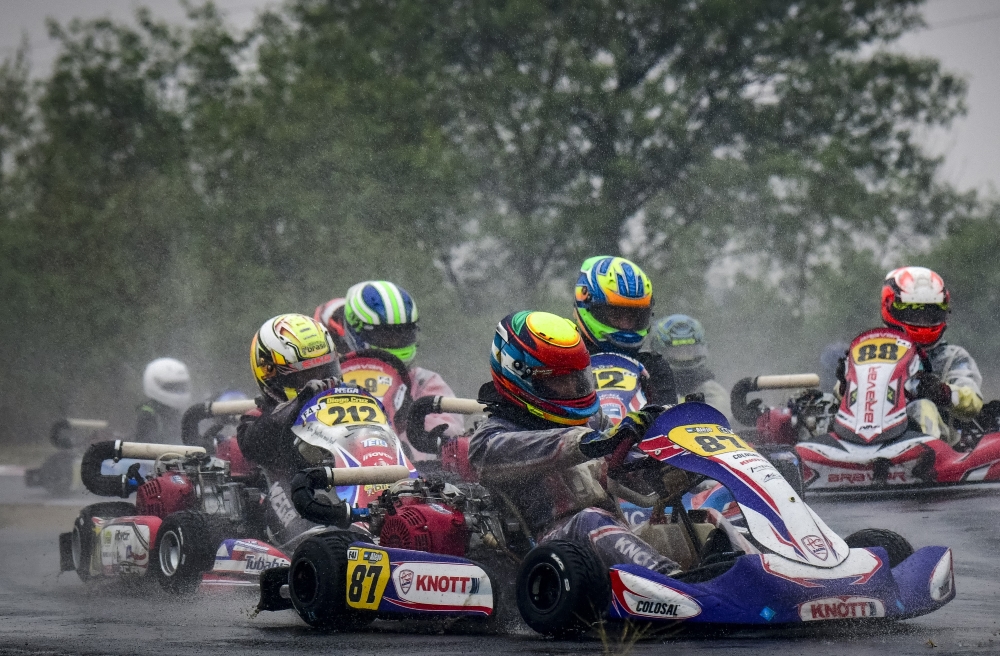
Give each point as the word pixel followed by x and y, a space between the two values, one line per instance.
pixel 681 340
pixel 614 303
pixel 331 315
pixel 290 350
pixel 915 300
pixel 167 381
pixel 540 363
pixel 379 314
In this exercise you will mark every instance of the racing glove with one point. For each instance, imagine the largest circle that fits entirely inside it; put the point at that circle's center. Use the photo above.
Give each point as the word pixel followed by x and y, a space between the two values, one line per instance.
pixel 132 480
pixel 314 387
pixel 929 386
pixel 841 374
pixel 632 428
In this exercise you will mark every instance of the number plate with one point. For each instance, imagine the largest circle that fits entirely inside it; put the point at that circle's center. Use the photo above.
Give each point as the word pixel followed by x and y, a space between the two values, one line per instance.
pixel 339 409
pixel 376 382
pixel 879 349
pixel 707 439
pixel 367 576
pixel 616 378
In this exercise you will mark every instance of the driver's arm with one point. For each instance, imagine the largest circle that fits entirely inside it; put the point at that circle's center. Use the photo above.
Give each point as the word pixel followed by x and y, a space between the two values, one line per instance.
pixel 500 452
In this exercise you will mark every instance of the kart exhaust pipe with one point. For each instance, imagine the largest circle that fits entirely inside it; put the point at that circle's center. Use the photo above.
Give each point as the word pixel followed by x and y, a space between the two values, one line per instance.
pixel 105 485
pixel 61 441
pixel 193 416
pixel 315 505
pixel 747 412
pixel 430 441
pixel 788 381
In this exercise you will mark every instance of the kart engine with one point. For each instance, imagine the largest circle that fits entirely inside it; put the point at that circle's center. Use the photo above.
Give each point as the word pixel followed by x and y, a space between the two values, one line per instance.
pixel 164 494
pixel 436 517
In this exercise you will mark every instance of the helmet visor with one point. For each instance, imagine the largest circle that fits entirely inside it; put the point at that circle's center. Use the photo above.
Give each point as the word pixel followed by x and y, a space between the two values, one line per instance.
pixel 574 385
pixel 391 336
pixel 687 353
pixel 920 314
pixel 623 318
pixel 176 387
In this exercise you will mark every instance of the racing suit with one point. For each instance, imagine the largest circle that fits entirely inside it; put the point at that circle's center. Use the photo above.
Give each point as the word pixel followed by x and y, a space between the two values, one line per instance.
pixel 699 380
pixel 157 423
pixel 956 368
pixel 266 439
pixel 560 494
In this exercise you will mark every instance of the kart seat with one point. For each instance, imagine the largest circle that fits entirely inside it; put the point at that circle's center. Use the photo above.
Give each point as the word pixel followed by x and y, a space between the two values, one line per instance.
pixel 673 541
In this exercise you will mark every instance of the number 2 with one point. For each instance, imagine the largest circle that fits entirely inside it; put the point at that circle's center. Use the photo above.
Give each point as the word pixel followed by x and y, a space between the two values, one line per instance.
pixel 610 379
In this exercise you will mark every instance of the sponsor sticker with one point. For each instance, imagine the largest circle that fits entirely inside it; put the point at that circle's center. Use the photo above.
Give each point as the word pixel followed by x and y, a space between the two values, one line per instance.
pixel 441 586
pixel 816 546
pixel 645 598
pixel 841 608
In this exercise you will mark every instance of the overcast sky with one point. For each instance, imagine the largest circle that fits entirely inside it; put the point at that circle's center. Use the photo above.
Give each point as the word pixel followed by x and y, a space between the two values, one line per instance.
pixel 961 33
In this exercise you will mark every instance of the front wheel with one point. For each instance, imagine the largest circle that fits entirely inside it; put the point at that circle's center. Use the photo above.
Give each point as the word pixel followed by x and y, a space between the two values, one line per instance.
pixel 562 588
pixel 317 583
pixel 898 547
pixel 185 549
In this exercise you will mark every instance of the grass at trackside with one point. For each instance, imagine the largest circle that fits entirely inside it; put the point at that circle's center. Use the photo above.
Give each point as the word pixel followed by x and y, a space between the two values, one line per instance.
pixel 36 515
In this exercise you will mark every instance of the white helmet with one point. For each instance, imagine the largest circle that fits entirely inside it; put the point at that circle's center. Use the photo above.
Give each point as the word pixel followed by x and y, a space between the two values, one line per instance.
pixel 167 380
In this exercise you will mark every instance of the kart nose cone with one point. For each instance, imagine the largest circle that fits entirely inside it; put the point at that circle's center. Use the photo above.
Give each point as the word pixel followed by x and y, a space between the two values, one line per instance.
pixel 943 578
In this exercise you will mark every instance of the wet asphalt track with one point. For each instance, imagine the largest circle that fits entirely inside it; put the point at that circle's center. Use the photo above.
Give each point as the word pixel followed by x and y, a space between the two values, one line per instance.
pixel 44 612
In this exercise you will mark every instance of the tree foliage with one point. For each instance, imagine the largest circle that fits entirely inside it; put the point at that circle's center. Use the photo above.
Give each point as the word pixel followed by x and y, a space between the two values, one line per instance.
pixel 166 188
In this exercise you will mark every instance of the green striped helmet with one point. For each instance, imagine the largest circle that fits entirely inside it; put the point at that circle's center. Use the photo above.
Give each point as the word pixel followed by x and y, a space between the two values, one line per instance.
pixel 380 314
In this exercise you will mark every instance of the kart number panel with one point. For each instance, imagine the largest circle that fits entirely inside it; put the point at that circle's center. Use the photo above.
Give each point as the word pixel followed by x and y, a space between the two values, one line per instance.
pixel 367 576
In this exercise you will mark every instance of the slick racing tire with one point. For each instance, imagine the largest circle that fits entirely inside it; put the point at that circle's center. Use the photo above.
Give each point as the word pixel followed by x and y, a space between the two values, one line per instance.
pixel 562 589
pixel 898 548
pixel 185 549
pixel 317 582
pixel 83 538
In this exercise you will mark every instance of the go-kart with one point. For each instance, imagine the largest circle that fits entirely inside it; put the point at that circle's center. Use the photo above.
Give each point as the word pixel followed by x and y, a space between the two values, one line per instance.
pixel 200 520
pixel 58 474
pixel 786 566
pixel 866 440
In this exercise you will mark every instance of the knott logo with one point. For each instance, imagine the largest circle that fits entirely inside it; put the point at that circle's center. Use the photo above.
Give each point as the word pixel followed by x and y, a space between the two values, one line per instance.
pixel 405 580
pixel 841 608
pixel 817 546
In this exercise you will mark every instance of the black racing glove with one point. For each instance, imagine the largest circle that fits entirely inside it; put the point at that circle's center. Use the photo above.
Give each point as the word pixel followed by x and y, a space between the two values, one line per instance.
pixel 314 387
pixel 932 388
pixel 632 428
pixel 132 480
pixel 841 374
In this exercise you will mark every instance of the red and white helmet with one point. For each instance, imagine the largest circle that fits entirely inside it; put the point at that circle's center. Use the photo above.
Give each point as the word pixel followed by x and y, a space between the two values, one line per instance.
pixel 916 300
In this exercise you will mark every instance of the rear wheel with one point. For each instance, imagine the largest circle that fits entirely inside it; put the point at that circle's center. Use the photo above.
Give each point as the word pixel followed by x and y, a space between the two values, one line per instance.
pixel 898 547
pixel 317 582
pixel 562 589
pixel 185 549
pixel 83 538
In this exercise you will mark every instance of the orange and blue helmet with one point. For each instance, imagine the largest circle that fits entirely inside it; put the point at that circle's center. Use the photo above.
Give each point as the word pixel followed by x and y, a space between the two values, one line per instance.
pixel 541 364
pixel 614 304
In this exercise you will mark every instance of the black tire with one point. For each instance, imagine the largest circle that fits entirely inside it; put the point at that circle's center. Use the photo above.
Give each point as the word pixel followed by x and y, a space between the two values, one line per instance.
pixel 317 583
pixel 898 547
pixel 82 540
pixel 185 549
pixel 562 589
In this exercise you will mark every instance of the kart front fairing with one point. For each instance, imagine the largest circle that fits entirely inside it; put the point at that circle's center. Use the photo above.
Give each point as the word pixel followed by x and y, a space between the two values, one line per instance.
pixel 696 437
pixel 804 571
